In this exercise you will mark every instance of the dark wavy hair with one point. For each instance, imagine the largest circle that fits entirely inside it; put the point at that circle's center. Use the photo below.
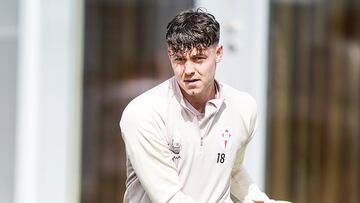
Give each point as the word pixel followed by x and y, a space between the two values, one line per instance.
pixel 192 29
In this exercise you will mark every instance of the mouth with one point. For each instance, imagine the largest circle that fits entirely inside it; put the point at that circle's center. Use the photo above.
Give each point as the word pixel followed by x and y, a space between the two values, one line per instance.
pixel 191 80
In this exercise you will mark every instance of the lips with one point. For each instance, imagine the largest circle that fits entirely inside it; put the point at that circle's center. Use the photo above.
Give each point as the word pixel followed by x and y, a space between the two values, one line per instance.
pixel 191 80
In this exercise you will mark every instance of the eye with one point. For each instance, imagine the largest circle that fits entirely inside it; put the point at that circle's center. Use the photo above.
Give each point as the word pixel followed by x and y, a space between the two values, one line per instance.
pixel 199 58
pixel 179 59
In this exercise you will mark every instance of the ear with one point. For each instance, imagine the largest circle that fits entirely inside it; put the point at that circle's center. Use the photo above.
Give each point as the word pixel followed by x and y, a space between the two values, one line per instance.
pixel 169 52
pixel 219 53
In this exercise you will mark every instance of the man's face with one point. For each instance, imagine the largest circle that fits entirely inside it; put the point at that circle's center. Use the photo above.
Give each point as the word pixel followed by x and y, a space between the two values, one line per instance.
pixel 194 70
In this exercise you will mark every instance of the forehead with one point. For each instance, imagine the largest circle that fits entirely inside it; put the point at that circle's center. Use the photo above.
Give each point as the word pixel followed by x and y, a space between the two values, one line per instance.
pixel 191 52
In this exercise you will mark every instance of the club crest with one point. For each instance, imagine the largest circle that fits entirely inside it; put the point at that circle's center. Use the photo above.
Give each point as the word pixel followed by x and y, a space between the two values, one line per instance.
pixel 225 140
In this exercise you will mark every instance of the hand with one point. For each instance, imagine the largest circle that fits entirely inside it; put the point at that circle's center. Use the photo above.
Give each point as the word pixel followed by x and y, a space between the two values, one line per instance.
pixel 272 201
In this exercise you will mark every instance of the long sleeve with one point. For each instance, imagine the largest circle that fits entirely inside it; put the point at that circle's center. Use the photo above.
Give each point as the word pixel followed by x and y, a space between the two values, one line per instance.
pixel 240 183
pixel 143 132
pixel 242 186
pixel 242 189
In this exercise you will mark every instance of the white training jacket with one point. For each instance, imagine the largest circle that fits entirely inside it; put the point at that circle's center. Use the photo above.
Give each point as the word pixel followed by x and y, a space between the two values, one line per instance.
pixel 176 154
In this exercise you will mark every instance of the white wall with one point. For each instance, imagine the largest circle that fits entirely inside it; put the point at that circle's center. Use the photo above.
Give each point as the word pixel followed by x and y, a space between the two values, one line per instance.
pixel 47 167
pixel 244 33
pixel 8 71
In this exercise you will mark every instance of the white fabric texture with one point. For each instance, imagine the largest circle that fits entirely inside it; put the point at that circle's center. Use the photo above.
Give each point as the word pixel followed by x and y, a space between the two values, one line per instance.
pixel 175 154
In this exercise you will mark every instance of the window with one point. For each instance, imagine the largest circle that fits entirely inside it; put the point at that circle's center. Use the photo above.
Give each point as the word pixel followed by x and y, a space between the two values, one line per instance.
pixel 314 97
pixel 125 54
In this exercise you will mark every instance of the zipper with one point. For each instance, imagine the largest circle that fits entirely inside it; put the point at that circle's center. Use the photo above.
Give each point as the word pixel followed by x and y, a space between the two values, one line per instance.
pixel 197 125
pixel 211 122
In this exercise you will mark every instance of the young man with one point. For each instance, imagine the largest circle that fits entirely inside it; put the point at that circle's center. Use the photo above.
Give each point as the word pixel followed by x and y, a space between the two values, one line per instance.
pixel 185 138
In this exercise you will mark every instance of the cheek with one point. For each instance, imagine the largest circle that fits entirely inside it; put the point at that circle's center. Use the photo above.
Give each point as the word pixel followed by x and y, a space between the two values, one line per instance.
pixel 208 69
pixel 177 71
pixel 173 68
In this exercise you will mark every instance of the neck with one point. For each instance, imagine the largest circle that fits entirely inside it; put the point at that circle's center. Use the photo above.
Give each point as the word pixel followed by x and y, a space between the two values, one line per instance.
pixel 199 101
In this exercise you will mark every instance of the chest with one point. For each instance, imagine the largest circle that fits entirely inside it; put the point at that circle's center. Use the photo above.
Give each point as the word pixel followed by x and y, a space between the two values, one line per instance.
pixel 210 143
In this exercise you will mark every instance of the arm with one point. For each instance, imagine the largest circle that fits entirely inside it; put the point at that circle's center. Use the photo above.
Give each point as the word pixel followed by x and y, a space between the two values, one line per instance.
pixel 143 132
pixel 242 188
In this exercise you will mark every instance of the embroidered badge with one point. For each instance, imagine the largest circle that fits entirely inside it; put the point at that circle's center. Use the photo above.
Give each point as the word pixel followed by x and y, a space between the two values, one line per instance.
pixel 176 143
pixel 225 140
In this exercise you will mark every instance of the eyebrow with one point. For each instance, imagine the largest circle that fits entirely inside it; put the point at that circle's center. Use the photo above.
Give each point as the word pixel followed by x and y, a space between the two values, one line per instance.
pixel 178 56
pixel 198 54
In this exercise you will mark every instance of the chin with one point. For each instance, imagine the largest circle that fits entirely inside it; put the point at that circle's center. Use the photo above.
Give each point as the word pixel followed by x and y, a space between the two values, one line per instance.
pixel 192 92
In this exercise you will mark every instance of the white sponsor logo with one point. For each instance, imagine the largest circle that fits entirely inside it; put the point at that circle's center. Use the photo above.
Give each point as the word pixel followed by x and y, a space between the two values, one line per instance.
pixel 176 143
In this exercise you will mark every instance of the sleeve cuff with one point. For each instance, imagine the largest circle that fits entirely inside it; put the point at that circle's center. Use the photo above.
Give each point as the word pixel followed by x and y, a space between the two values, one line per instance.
pixel 254 194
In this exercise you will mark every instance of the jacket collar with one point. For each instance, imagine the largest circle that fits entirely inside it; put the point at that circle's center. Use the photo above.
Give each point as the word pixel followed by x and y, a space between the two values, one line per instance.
pixel 217 102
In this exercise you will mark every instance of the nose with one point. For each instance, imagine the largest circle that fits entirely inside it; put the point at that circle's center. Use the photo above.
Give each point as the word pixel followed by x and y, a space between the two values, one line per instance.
pixel 189 68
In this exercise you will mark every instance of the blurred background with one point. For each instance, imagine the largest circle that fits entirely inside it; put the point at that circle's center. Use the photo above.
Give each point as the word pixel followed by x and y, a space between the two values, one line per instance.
pixel 68 68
